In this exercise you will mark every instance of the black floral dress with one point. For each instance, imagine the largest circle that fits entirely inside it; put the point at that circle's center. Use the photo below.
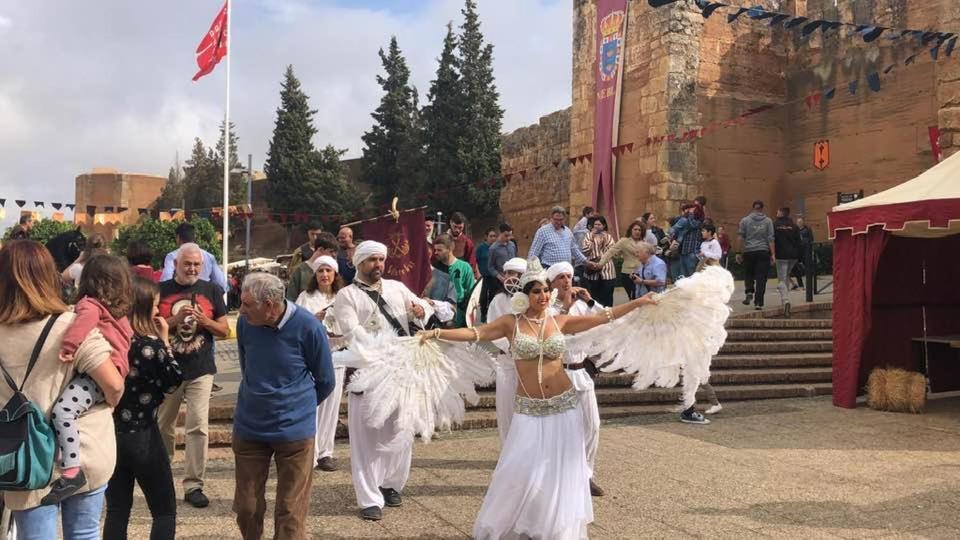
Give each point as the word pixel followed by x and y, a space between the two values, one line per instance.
pixel 153 373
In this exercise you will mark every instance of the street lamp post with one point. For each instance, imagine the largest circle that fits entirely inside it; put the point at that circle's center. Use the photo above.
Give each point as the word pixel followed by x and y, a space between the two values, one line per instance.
pixel 249 205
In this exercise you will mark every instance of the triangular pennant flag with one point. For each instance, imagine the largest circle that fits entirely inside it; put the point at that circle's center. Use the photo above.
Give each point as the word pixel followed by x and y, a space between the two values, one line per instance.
pixel 811 27
pixel 523 174
pixel 38 204
pixel 708 9
pixel 3 202
pixel 733 16
pixel 660 3
pixel 889 68
pixel 950 46
pixel 556 163
pixel 588 157
pixel 91 210
pixel 108 209
pixel 573 160
pixel 795 22
pixel 20 203
pixel 507 177
pixel 873 80
pixel 935 52
pixel 142 211
pixel 830 25
pixel 615 150
pixel 630 147
pixel 829 94
pixel 56 205
pixel 778 19
pixel 812 99
pixel 121 209
pixel 870 33
pixel 927 37
pixel 852 86
pixel 537 168
pixel 71 206
pixel 910 59
pixel 759 14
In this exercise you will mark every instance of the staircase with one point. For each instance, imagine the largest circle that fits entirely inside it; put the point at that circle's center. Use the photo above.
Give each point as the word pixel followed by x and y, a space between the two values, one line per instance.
pixel 764 358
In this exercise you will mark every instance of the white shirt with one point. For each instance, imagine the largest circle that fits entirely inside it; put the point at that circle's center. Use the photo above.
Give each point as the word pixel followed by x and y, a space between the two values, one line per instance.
pixel 353 308
pixel 500 306
pixel 710 249
pixel 579 377
pixel 315 302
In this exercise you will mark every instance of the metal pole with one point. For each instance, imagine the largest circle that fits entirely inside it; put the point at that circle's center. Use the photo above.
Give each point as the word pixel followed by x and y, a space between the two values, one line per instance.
pixel 226 154
pixel 249 204
pixel 439 227
pixel 811 271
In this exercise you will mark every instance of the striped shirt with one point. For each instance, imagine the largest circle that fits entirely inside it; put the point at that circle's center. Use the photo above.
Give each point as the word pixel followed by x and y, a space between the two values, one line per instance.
pixel 553 246
pixel 595 246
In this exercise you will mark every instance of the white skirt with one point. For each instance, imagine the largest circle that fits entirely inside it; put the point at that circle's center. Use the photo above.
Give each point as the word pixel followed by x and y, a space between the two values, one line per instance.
pixel 541 486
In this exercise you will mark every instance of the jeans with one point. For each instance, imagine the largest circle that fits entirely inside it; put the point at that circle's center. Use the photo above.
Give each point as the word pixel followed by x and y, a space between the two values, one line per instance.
pixel 141 457
pixel 756 265
pixel 79 515
pixel 784 267
pixel 688 264
pixel 294 479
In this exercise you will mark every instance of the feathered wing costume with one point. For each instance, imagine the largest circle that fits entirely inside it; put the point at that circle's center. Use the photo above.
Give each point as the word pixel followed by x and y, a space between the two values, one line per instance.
pixel 425 384
pixel 683 331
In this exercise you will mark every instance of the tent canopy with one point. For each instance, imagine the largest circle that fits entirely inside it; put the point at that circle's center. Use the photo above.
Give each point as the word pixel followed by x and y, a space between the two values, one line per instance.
pixel 926 207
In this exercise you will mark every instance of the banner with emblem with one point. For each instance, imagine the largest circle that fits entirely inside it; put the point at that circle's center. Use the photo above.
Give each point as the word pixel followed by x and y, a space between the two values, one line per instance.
pixel 407 257
pixel 611 37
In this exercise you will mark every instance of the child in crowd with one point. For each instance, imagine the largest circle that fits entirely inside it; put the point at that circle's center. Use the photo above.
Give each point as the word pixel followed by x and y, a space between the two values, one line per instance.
pixel 710 247
pixel 141 456
pixel 105 296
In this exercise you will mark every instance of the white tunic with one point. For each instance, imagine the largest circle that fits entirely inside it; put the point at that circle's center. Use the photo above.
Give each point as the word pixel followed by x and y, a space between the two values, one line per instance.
pixel 315 302
pixel 353 308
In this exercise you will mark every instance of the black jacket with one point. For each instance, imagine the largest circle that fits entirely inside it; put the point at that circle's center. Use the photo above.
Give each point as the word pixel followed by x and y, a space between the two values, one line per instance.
pixel 786 237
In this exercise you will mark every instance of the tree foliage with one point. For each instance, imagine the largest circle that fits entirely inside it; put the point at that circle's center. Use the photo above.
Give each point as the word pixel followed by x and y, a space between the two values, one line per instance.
pixel 44 230
pixel 201 184
pixel 161 237
pixel 299 177
pixel 391 155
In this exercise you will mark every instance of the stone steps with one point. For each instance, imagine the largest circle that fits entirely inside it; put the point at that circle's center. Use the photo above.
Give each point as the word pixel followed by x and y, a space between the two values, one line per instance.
pixel 779 334
pixel 779 323
pixel 614 404
pixel 776 347
pixel 780 360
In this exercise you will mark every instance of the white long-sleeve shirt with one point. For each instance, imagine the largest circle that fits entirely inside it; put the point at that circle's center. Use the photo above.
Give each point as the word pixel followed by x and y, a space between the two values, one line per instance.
pixel 353 308
pixel 710 249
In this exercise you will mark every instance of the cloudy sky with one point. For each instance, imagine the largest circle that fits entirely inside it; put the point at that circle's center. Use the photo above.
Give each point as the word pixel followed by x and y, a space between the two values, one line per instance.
pixel 107 83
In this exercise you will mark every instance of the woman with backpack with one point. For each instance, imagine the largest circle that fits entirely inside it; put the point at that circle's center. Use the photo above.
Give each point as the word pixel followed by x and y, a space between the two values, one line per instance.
pixel 33 321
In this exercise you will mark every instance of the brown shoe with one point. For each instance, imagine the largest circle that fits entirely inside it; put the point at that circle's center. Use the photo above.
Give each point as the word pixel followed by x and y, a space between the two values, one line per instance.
pixel 326 464
pixel 595 490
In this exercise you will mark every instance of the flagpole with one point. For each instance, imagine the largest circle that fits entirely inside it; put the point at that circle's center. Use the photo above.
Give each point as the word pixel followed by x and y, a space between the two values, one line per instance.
pixel 226 153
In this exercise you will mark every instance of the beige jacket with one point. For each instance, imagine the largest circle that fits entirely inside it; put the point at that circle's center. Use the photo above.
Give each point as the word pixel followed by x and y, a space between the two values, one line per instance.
pixel 47 381
pixel 626 248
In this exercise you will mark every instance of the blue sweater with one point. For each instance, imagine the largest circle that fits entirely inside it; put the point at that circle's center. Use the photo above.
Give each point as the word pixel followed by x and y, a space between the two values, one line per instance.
pixel 285 374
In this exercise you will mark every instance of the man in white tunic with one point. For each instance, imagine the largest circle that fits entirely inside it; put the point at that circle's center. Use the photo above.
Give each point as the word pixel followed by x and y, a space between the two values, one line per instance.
pixel 506 370
pixel 372 308
pixel 575 301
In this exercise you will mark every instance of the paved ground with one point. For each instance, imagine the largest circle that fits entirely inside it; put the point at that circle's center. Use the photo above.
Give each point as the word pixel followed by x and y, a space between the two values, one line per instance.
pixel 785 469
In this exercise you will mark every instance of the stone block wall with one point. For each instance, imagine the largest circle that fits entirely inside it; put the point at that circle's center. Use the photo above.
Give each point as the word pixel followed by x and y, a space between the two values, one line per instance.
pixel 524 201
pixel 109 187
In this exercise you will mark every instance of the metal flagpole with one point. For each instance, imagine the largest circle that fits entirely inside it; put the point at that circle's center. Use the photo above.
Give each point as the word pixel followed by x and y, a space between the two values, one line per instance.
pixel 226 153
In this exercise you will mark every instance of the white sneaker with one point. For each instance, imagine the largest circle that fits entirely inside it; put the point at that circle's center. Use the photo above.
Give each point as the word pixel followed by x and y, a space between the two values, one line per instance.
pixel 715 409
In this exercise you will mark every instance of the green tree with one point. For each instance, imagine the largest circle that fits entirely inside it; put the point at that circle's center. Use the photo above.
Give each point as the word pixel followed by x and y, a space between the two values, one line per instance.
pixel 161 237
pixel 238 188
pixel 300 178
pixel 44 230
pixel 172 194
pixel 483 121
pixel 392 150
pixel 442 124
pixel 199 180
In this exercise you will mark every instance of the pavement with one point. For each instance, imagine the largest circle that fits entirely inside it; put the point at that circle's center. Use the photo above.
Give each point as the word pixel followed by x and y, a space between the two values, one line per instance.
pixel 797 468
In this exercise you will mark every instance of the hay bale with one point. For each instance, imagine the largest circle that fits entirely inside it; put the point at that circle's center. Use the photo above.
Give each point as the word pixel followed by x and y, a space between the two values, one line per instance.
pixel 896 390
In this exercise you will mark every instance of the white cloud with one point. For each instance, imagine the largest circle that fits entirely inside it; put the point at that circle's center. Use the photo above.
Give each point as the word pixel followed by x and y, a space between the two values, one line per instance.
pixel 108 84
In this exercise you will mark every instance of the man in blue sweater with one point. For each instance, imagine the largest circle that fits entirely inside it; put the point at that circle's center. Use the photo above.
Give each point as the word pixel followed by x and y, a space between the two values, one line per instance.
pixel 287 370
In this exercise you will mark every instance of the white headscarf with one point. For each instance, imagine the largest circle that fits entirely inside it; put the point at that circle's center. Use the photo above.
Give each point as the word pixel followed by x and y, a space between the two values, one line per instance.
pixel 515 264
pixel 367 249
pixel 325 260
pixel 560 268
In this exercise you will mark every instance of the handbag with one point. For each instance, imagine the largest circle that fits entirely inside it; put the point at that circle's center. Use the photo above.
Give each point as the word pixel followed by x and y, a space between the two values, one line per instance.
pixel 27 441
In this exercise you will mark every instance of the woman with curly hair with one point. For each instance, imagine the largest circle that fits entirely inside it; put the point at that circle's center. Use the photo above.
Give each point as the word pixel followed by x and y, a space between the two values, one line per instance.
pixel 105 297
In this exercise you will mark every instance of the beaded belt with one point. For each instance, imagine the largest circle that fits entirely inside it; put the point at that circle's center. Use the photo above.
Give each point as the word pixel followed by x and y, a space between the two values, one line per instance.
pixel 546 407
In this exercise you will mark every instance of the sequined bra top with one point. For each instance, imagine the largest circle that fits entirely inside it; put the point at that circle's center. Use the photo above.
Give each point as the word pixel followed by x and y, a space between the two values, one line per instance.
pixel 527 347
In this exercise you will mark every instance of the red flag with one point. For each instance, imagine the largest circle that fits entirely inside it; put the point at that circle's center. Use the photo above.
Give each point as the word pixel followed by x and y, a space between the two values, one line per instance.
pixel 407 257
pixel 213 46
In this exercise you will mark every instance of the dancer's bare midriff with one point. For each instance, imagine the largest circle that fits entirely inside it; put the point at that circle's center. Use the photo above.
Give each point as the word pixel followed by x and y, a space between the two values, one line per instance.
pixel 555 380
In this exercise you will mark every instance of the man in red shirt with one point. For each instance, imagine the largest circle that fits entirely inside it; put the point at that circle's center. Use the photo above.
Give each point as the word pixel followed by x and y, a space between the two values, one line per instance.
pixel 463 247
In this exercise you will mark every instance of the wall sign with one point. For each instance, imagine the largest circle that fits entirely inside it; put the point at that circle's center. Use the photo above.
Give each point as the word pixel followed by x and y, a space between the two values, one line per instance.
pixel 821 154
pixel 844 198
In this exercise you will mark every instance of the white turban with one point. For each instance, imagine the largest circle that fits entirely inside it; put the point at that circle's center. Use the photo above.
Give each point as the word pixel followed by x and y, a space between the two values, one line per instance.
pixel 560 268
pixel 367 249
pixel 325 260
pixel 515 264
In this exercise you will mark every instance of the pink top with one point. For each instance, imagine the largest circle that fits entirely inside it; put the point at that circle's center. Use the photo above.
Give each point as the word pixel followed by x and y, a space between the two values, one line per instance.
pixel 91 314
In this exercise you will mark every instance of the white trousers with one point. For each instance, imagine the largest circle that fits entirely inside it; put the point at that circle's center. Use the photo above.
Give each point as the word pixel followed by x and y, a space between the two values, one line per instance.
pixel 328 415
pixel 506 394
pixel 587 403
pixel 374 462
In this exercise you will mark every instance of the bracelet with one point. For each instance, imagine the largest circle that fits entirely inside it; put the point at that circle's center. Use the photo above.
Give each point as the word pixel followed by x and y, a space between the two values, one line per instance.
pixel 436 333
pixel 609 312
pixel 476 334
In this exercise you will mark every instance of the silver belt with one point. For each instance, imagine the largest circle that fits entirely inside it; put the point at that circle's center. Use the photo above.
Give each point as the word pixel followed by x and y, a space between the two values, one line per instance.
pixel 546 407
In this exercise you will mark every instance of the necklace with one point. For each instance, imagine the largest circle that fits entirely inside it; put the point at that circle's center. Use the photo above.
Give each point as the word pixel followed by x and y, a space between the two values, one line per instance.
pixel 532 320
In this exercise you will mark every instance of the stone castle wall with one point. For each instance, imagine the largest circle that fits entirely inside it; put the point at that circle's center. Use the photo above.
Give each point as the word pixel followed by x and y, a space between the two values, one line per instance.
pixel 109 187
pixel 683 72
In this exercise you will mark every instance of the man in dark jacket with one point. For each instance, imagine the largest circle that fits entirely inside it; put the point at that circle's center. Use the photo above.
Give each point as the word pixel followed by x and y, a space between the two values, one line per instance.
pixel 786 237
pixel 806 240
